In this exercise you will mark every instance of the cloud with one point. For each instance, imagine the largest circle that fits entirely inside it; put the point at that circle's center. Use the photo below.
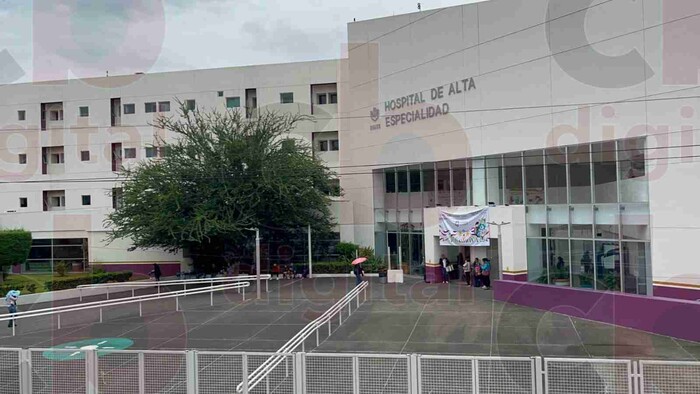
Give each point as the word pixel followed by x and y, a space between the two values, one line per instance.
pixel 289 41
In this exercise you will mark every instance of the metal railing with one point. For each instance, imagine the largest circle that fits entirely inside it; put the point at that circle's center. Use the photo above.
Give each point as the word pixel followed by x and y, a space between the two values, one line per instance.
pixel 299 339
pixel 90 371
pixel 57 311
pixel 166 283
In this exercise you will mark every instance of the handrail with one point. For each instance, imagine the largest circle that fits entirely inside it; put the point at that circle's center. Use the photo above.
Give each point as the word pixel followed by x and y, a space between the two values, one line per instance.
pixel 175 282
pixel 273 361
pixel 120 301
pixel 184 282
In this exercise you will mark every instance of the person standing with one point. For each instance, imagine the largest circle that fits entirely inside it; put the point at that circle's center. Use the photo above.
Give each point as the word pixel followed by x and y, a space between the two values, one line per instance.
pixel 458 267
pixel 11 301
pixel 444 263
pixel 486 274
pixel 477 272
pixel 156 272
pixel 359 273
pixel 467 272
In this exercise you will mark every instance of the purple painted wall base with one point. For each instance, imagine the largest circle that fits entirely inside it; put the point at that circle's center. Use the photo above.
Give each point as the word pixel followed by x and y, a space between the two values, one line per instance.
pixel 167 269
pixel 675 318
pixel 681 293
pixel 515 277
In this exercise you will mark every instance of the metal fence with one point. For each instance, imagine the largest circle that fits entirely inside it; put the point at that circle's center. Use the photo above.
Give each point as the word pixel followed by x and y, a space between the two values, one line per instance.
pixel 92 371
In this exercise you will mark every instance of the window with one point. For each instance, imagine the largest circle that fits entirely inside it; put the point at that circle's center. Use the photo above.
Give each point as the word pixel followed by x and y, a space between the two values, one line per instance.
pixel 130 153
pixel 389 182
pixel 87 200
pixel 150 108
pixel 129 109
pixel 322 99
pixel 57 158
pixel 334 145
pixel 162 151
pixel 23 202
pixel 151 152
pixel 221 93
pixel 164 106
pixel 58 201
pixel 56 115
pixel 287 98
pixel 21 115
pixel 335 190
pixel 84 112
pixel 333 98
pixel 85 155
pixel 233 102
pixel 22 158
pixel 117 198
pixel 190 105
pixel 323 146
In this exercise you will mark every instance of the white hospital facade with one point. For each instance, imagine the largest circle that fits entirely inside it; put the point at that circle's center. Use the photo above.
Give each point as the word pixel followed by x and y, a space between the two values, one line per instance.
pixel 574 120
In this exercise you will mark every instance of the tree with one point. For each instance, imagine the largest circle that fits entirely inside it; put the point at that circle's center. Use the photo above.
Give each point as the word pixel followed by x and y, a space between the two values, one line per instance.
pixel 14 248
pixel 222 175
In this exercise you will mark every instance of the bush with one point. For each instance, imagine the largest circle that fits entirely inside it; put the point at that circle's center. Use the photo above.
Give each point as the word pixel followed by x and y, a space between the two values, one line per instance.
pixel 71 283
pixel 61 268
pixel 342 267
pixel 14 247
pixel 346 250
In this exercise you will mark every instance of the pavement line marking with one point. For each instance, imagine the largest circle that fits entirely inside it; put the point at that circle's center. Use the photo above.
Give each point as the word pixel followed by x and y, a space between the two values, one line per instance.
pixel 684 349
pixel 425 305
pixel 579 337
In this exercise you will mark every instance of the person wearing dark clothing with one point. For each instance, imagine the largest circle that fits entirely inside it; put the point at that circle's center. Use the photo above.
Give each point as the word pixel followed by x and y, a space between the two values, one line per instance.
pixel 156 272
pixel 444 264
pixel 359 273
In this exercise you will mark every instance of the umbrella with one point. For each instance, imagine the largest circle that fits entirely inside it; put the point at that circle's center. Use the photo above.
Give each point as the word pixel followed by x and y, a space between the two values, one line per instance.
pixel 359 260
pixel 12 295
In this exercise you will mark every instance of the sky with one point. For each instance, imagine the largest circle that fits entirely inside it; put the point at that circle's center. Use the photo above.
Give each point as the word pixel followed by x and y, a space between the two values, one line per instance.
pixel 45 40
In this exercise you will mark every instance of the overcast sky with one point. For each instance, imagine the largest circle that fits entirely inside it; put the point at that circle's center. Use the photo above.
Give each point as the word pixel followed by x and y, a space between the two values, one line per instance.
pixel 43 40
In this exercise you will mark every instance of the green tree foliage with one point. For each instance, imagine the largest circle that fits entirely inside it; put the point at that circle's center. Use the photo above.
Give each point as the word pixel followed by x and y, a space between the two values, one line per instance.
pixel 224 174
pixel 14 247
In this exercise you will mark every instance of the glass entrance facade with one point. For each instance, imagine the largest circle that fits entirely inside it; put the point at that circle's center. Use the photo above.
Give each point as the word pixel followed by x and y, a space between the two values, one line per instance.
pixel 587 209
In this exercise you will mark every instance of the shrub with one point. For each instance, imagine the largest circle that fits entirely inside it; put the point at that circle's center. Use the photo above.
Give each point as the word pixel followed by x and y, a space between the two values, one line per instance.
pixel 14 247
pixel 346 250
pixel 342 267
pixel 71 283
pixel 61 268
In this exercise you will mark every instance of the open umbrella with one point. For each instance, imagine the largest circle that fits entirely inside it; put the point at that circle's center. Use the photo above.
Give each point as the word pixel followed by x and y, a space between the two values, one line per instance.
pixel 359 260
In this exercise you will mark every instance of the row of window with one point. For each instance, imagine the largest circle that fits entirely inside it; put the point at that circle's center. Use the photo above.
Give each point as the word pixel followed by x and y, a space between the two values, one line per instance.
pixel 129 153
pixel 58 201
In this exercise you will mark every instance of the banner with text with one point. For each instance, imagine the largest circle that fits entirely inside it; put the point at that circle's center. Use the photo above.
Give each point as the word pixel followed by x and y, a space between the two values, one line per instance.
pixel 465 229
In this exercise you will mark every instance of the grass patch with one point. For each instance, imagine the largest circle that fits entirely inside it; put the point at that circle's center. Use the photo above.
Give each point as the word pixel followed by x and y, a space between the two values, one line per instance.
pixel 39 280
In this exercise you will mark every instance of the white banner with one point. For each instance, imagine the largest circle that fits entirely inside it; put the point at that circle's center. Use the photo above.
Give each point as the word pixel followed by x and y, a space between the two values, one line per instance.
pixel 465 229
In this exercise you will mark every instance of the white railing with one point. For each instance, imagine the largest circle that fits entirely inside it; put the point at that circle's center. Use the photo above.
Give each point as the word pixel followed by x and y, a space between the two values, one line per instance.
pixel 183 282
pixel 92 371
pixel 299 339
pixel 122 301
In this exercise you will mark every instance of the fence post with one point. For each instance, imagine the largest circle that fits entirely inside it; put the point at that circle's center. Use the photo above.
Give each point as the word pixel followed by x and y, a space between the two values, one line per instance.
pixel 475 376
pixel 243 293
pixel 100 315
pixel 211 297
pixel 191 371
pixel 91 374
pixel 299 373
pixel 244 371
pixel 329 327
pixel 355 374
pixel 317 339
pixel 140 310
pixel 540 376
pixel 142 374
pixel 58 315
pixel 25 371
pixel 636 378
pixel 177 304
pixel 413 374
pixel 267 286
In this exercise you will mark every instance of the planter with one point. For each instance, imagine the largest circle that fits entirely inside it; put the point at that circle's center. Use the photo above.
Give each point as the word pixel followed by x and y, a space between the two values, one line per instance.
pixel 561 282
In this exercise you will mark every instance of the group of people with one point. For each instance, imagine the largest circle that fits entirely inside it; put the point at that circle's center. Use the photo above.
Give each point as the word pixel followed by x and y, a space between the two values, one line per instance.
pixel 476 273
pixel 289 272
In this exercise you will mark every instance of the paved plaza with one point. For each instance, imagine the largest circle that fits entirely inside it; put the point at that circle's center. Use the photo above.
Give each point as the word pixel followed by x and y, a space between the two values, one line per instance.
pixel 413 317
